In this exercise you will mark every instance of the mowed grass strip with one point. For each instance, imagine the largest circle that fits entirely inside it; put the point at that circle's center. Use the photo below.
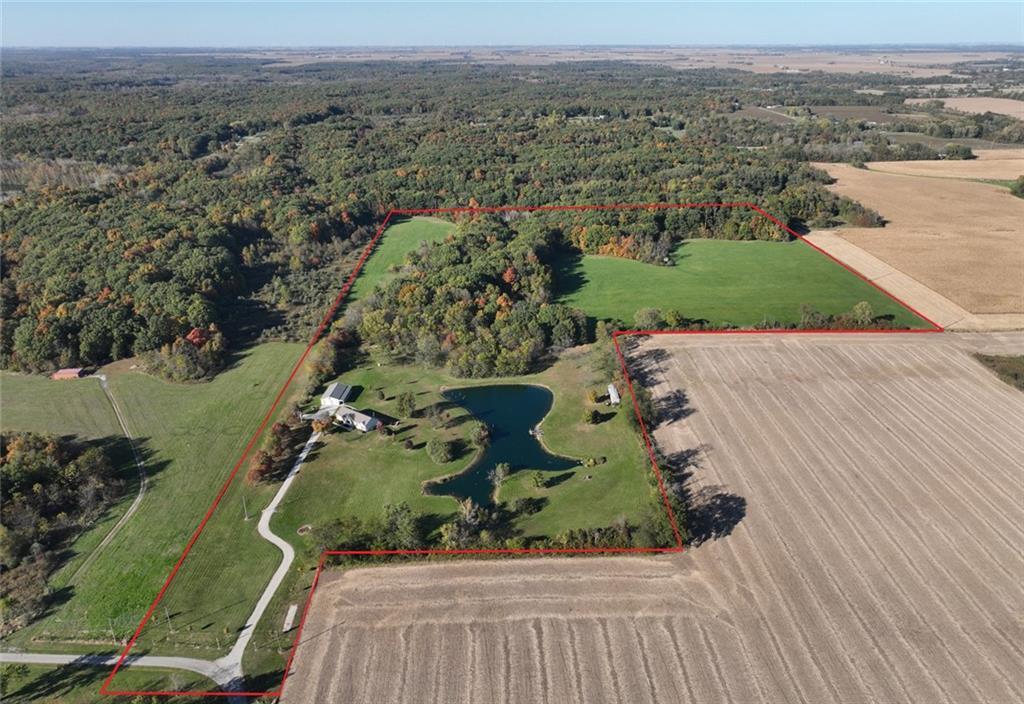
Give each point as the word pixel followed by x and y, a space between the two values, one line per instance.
pixel 722 281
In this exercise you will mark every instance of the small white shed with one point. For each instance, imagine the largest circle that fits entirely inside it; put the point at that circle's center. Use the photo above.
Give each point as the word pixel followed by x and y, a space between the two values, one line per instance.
pixel 613 395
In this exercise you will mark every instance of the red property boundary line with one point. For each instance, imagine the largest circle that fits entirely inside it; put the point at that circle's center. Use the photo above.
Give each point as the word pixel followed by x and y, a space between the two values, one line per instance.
pixel 329 316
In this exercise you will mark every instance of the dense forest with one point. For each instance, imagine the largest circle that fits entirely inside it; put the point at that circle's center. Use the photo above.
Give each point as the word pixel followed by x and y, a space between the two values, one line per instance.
pixel 53 488
pixel 149 196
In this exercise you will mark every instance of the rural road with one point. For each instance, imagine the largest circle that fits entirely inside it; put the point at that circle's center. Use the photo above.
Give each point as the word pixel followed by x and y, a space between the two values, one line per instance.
pixel 202 667
pixel 232 662
pixel 143 484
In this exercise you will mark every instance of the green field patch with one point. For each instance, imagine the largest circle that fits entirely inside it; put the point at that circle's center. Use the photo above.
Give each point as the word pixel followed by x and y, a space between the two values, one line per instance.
pixel 721 281
pixel 394 246
pixel 358 474
pixel 72 684
pixel 192 435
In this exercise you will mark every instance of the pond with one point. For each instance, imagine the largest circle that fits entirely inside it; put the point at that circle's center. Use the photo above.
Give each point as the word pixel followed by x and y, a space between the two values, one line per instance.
pixel 512 412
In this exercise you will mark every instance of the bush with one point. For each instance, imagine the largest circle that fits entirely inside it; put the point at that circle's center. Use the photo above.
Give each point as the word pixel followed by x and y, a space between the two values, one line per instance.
pixel 441 451
pixel 648 319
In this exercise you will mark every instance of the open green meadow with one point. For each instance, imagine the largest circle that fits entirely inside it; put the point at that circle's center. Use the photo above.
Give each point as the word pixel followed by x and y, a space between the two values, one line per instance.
pixel 68 407
pixel 722 281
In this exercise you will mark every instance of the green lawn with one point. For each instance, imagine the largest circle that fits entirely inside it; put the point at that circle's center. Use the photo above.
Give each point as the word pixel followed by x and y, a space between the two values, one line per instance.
pixel 396 242
pixel 70 407
pixel 721 281
pixel 191 435
pixel 67 684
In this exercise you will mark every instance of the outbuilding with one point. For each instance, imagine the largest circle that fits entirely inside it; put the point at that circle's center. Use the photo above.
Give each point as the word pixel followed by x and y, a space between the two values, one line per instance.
pixel 613 395
pixel 68 373
pixel 335 395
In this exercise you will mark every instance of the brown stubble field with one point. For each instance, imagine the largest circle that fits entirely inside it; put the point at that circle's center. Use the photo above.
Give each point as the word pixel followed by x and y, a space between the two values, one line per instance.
pixel 859 500
pixel 959 238
pixel 997 164
pixel 980 104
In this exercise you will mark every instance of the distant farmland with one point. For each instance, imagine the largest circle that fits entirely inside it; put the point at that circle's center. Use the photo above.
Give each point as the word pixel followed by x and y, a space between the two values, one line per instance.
pixel 960 239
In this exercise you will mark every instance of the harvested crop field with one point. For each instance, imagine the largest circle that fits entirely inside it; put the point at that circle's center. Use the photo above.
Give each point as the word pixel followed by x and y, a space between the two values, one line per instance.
pixel 979 105
pixel 860 504
pixel 959 238
pixel 997 164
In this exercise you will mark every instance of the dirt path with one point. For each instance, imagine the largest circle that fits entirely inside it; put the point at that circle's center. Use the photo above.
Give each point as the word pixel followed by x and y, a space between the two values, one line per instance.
pixel 143 484
pixel 861 501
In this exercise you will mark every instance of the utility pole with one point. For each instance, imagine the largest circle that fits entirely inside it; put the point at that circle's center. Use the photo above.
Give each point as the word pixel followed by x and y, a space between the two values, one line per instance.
pixel 167 615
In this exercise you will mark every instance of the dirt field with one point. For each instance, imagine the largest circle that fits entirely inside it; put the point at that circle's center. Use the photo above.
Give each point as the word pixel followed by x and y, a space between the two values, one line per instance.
pixel 860 500
pixel 991 163
pixel 1002 106
pixel 959 238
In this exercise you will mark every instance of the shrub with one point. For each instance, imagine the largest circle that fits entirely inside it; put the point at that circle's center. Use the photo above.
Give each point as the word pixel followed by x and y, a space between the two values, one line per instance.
pixel 441 451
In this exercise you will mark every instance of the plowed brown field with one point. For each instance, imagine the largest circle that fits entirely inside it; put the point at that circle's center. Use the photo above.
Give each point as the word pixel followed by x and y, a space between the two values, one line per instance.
pixel 879 558
pixel 963 240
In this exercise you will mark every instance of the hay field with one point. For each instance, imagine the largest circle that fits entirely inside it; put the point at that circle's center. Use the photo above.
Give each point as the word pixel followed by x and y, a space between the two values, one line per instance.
pixel 995 164
pixel 878 559
pixel 979 105
pixel 959 238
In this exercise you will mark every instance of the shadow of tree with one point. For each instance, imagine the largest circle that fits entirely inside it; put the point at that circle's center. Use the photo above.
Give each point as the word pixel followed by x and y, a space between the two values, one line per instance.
pixel 711 511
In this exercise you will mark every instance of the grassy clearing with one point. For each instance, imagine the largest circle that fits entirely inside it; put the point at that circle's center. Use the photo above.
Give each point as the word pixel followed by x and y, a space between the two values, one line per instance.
pixel 191 436
pixel 71 407
pixel 400 239
pixel 68 684
pixel 741 283
pixel 357 474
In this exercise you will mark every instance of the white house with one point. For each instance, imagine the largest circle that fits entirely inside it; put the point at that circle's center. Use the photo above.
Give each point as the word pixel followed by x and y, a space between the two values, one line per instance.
pixel 335 395
pixel 351 418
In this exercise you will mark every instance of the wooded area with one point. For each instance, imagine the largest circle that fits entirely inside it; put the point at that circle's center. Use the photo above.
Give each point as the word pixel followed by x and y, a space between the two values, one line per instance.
pixel 219 191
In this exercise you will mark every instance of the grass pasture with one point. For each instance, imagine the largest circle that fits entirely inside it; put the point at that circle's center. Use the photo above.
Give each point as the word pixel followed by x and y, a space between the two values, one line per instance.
pixel 742 283
pixel 397 241
pixel 191 435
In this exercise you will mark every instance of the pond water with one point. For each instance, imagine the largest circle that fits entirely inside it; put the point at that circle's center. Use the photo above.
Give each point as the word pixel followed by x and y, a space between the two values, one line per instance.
pixel 511 411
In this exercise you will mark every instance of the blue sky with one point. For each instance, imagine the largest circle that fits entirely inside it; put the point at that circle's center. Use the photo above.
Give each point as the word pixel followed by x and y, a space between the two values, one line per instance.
pixel 241 24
